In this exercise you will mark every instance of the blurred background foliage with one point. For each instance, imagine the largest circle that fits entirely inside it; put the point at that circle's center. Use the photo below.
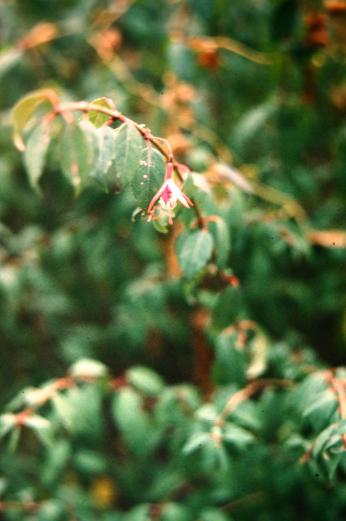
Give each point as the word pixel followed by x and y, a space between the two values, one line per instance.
pixel 250 90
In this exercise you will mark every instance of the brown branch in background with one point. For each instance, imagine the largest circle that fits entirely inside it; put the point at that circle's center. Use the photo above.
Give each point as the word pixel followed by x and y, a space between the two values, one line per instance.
pixel 328 238
pixel 245 393
pixel 44 395
pixel 168 249
pixel 243 501
pixel 203 354
pixel 340 392
pixel 41 33
pixel 207 44
pixel 338 386
pixel 27 506
pixel 106 17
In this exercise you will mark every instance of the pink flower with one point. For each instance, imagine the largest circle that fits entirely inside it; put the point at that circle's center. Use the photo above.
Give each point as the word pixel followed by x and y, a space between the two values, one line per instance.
pixel 168 196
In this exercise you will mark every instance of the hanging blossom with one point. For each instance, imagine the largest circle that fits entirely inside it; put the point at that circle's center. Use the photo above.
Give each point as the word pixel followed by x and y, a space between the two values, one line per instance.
pixel 167 197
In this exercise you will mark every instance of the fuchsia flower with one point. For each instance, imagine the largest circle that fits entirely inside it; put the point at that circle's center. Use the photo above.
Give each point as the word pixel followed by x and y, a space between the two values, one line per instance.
pixel 168 196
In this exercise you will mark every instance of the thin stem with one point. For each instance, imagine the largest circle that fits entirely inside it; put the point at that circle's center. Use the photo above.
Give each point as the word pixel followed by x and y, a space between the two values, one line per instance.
pixel 17 505
pixel 115 115
pixel 242 395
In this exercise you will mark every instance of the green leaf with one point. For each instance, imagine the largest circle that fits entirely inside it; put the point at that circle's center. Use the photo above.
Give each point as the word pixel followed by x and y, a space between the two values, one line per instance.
pixel 213 514
pixel 253 121
pixel 128 153
pixel 9 58
pixel 175 512
pixel 65 410
pixel 145 380
pixel 221 236
pixel 37 422
pixel 98 118
pixel 88 368
pixel 321 410
pixel 7 422
pixel 138 513
pixel 13 439
pixel 237 436
pixel 148 178
pixel 79 410
pixel 257 352
pixel 42 428
pixel 76 154
pixel 104 170
pixel 131 418
pixel 35 153
pixel 214 457
pixel 194 249
pixel 230 363
pixel 24 110
pixel 227 308
pixel 196 441
pixel 55 461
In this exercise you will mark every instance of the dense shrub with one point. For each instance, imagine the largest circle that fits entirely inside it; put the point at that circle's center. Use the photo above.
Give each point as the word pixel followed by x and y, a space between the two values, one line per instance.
pixel 173 260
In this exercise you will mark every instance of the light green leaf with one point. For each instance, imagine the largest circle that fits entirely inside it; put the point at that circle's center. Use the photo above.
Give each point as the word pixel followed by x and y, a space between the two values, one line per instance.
pixel 42 427
pixel 145 380
pixel 76 154
pixel 175 512
pixel 221 236
pixel 7 422
pixel 196 442
pixel 98 118
pixel 237 436
pixel 138 513
pixel 88 368
pixel 13 439
pixel 105 166
pixel 194 249
pixel 65 410
pixel 254 121
pixel 37 422
pixel 230 363
pixel 130 418
pixel 35 153
pixel 213 514
pixel 321 410
pixel 9 58
pixel 148 178
pixel 24 110
pixel 128 153
pixel 258 350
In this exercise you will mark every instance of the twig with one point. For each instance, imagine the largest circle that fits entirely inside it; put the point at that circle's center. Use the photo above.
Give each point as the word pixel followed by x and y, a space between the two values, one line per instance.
pixel 245 393
pixel 161 144
pixel 29 506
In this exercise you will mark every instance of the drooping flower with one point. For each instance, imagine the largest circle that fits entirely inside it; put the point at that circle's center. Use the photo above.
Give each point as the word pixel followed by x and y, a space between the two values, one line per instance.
pixel 168 196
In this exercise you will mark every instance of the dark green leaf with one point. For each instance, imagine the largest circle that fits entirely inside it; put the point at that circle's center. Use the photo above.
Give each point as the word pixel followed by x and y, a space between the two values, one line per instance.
pixel 227 307
pixel 148 178
pixel 221 236
pixel 128 153
pixel 194 249
pixel 76 154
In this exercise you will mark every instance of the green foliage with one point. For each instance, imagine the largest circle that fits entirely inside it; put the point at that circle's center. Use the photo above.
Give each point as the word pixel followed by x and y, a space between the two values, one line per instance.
pixel 194 249
pixel 147 179
pixel 172 314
